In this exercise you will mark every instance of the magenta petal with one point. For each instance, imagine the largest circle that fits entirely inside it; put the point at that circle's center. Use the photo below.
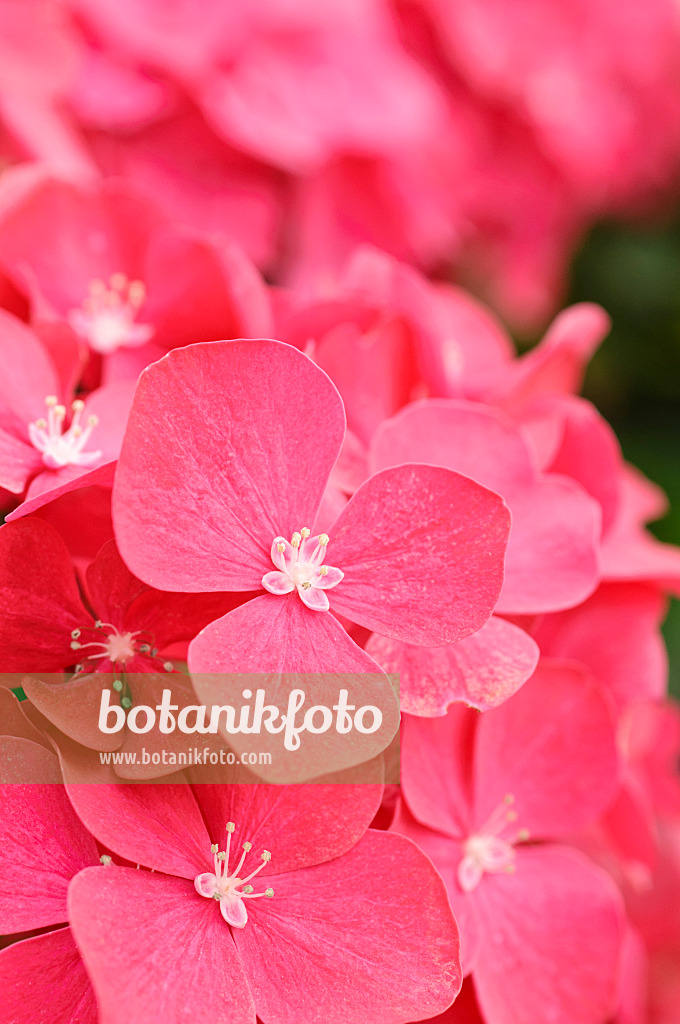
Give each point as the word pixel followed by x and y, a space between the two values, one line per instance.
pixel 119 916
pixel 371 933
pixel 43 981
pixel 553 748
pixel 214 466
pixel 482 670
pixel 159 826
pixel 422 550
pixel 44 845
pixel 550 937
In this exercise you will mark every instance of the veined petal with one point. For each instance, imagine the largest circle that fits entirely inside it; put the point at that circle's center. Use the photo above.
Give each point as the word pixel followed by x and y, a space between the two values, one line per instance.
pixel 213 464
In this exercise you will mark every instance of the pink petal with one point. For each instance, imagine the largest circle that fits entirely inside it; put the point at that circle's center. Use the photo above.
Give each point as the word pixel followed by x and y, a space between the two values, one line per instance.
pixel 233 910
pixel 436 769
pixel 50 484
pixel 14 721
pixel 18 462
pixel 422 551
pixel 482 670
pixel 551 559
pixel 118 915
pixel 588 453
pixel 39 600
pixel 201 291
pixel 616 633
pixel 43 981
pixel 111 586
pixel 300 825
pixel 43 839
pixel 277 582
pixel 553 747
pixel 73 707
pixel 551 937
pixel 27 376
pixel 354 943
pixel 329 579
pixel 284 646
pixel 157 826
pixel 557 365
pixel 373 368
pixel 315 600
pixel 111 405
pixel 214 466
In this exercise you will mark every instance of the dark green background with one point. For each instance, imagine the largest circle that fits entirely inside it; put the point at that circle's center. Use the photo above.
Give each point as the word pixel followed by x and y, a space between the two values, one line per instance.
pixel 634 379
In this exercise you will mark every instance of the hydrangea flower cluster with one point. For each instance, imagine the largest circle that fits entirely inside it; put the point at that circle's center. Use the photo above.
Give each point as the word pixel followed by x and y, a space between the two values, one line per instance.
pixel 253 440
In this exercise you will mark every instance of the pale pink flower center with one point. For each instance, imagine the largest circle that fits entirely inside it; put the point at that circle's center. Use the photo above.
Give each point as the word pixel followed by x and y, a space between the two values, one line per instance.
pixel 107 318
pixel 61 447
pixel 491 850
pixel 300 565
pixel 226 886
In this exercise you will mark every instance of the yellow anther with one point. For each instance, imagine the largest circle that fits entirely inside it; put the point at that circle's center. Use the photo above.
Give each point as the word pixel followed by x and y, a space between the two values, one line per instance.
pixel 323 571
pixel 323 540
pixel 295 540
pixel 306 585
pixel 92 420
pixel 78 405
pixel 51 400
pixel 60 411
pixel 280 548
pixel 305 532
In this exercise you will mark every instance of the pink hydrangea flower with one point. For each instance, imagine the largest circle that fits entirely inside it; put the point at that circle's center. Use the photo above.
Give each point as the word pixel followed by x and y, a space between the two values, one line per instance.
pixel 43 840
pixel 50 441
pixel 126 281
pixel 113 638
pixel 489 798
pixel 221 912
pixel 238 466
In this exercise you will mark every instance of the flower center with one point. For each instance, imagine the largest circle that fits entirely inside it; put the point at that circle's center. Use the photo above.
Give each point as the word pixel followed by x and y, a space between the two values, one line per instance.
pixel 61 447
pixel 491 850
pixel 227 887
pixel 107 318
pixel 300 566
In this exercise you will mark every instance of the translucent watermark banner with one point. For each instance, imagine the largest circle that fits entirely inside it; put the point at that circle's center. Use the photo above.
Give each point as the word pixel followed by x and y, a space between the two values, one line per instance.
pixel 217 727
